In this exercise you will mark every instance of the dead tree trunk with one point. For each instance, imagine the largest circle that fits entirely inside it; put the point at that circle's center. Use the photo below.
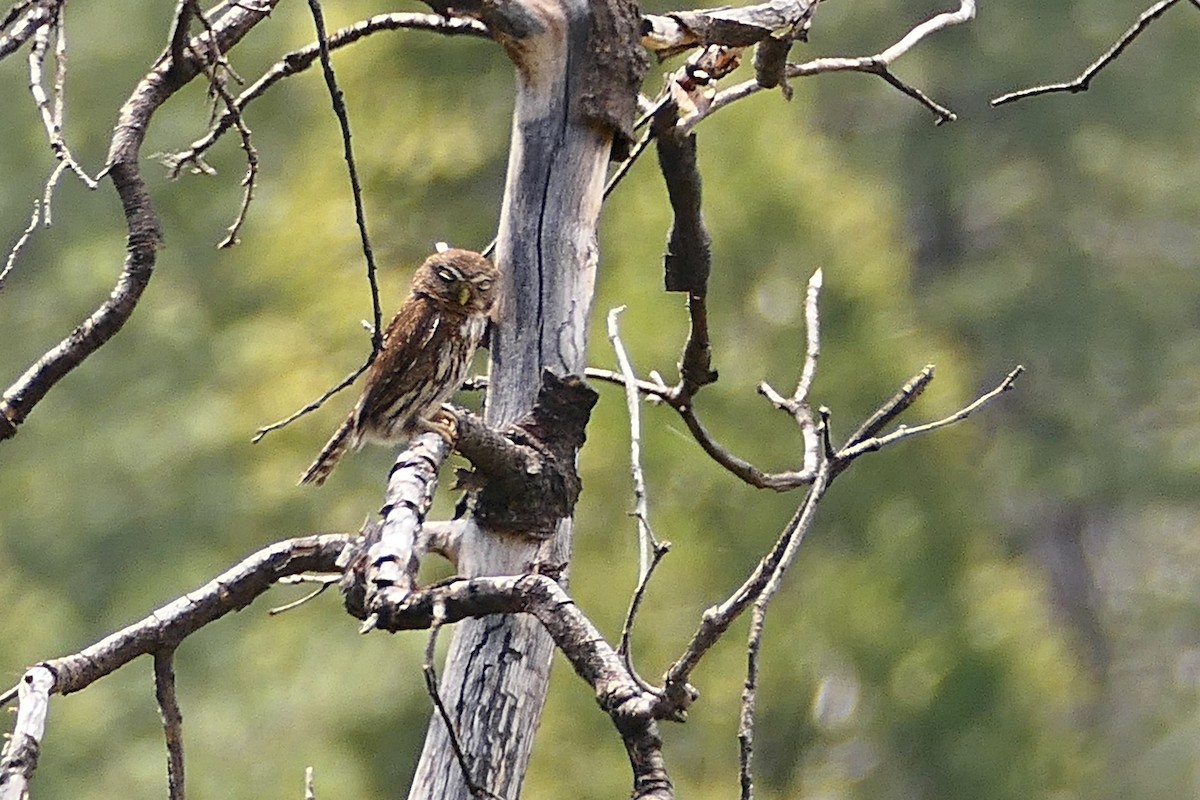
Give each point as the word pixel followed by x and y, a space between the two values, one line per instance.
pixel 498 667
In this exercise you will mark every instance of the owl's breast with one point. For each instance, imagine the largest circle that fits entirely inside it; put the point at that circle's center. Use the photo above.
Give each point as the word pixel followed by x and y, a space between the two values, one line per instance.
pixel 473 327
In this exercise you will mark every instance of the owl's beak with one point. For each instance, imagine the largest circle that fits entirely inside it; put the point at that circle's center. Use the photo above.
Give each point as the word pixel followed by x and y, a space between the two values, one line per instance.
pixel 464 294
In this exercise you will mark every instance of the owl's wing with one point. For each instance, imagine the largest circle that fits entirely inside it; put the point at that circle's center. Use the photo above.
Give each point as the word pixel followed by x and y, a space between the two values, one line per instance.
pixel 398 370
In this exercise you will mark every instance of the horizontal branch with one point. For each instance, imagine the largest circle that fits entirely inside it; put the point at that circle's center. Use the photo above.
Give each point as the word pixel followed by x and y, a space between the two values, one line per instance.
pixel 231 591
pixel 740 26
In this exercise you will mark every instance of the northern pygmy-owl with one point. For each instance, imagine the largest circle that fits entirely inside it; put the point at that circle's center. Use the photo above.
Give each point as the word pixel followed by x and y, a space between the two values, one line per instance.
pixel 427 349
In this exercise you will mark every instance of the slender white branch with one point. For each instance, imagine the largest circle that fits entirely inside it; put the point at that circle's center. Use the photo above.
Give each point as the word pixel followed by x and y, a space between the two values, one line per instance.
pixel 965 13
pixel 641 505
pixel 812 331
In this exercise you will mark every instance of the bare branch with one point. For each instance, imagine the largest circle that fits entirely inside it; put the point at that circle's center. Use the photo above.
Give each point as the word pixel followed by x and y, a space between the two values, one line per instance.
pixel 900 401
pixel 52 116
pixel 631 708
pixel 168 706
pixel 1081 83
pixel 765 579
pixel 339 108
pixel 320 401
pixel 870 445
pixel 299 60
pixel 797 405
pixel 11 16
pixel 144 238
pixel 211 70
pixel 716 620
pixel 635 604
pixel 393 559
pixel 646 541
pixel 746 717
pixel 22 240
pixel 695 373
pixel 323 583
pixel 623 168
pixel 878 64
pixel 230 591
pixel 19 757
pixel 740 26
pixel 177 40
pixel 23 22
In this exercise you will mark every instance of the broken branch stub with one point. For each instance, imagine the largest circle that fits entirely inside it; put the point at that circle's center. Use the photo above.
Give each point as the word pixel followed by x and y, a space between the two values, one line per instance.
pixel 744 26
pixel 525 481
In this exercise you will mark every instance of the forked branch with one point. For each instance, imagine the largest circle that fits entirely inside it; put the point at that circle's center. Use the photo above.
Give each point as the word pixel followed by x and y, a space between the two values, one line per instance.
pixel 164 79
pixel 878 64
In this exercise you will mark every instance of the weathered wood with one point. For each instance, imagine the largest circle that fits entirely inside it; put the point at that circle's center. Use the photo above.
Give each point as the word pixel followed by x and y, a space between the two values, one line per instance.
pixel 497 669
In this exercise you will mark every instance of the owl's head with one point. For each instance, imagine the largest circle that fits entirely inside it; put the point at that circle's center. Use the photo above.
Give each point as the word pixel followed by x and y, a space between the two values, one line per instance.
pixel 460 281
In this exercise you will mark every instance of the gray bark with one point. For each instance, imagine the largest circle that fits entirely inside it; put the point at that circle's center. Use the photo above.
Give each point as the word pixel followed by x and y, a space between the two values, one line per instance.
pixel 498 667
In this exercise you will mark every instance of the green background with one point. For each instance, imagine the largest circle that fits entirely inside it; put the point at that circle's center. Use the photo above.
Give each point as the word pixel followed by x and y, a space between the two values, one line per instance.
pixel 1007 609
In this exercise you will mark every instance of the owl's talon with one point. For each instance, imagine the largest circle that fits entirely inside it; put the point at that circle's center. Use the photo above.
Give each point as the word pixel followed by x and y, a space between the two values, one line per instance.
pixel 443 422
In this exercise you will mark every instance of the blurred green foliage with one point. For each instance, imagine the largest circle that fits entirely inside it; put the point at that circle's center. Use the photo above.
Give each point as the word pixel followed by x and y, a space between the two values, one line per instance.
pixel 1007 609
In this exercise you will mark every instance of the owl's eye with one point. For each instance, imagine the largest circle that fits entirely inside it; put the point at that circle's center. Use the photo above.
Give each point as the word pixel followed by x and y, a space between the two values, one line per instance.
pixel 484 284
pixel 447 275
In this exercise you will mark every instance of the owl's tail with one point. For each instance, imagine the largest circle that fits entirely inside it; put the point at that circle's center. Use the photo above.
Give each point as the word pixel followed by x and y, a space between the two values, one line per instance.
pixel 331 453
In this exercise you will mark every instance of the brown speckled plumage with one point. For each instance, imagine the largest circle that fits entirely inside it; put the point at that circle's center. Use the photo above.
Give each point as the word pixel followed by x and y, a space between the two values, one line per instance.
pixel 427 349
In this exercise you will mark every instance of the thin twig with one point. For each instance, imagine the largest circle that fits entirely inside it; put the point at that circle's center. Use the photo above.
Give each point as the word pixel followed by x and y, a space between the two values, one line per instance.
pixel 23 25
pixel 172 719
pixel 635 604
pixel 746 717
pixel 315 593
pixel 812 337
pixel 641 510
pixel 1081 83
pixel 215 62
pixel 339 108
pixel 894 407
pixel 430 674
pixel 797 405
pixel 623 168
pixel 22 240
pixel 299 60
pixel 870 445
pixel 310 784
pixel 52 113
pixel 320 401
